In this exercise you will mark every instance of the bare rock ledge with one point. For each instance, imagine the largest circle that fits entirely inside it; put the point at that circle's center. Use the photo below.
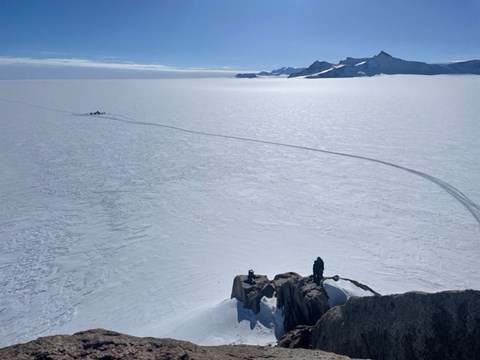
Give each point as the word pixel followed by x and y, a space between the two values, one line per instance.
pixel 100 344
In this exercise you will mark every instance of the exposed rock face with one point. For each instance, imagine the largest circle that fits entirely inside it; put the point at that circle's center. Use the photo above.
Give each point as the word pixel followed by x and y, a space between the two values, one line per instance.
pixel 281 279
pixel 414 325
pixel 251 294
pixel 108 345
pixel 298 338
pixel 303 302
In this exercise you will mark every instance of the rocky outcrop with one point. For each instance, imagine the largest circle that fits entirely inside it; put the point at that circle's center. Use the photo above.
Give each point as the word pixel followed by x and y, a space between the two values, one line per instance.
pixel 414 325
pixel 108 345
pixel 251 294
pixel 303 302
pixel 281 279
pixel 298 338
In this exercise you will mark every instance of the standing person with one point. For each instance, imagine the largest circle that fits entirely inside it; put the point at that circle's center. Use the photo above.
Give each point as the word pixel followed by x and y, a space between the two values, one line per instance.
pixel 318 268
pixel 251 277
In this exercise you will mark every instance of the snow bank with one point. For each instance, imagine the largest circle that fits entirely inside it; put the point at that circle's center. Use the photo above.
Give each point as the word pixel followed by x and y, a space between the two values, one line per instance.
pixel 227 323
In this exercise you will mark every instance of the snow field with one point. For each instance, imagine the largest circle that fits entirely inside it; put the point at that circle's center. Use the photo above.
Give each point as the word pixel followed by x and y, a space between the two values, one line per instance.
pixel 137 228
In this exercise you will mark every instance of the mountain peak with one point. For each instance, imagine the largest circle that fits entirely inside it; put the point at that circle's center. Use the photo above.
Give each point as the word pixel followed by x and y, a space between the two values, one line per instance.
pixel 383 54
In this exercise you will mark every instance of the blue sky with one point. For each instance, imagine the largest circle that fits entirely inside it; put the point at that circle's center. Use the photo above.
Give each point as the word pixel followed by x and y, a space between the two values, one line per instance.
pixel 239 34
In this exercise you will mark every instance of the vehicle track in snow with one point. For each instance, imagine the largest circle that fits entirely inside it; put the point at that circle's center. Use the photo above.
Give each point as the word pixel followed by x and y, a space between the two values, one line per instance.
pixel 463 199
pixel 470 205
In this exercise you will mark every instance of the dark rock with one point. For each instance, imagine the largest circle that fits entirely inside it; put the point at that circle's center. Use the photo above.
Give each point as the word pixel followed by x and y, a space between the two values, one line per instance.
pixel 414 325
pixel 281 279
pixel 116 346
pixel 303 302
pixel 246 76
pixel 251 294
pixel 300 337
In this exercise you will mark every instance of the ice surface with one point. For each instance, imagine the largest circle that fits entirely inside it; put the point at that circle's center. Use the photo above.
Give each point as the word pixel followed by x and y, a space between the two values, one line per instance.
pixel 134 227
pixel 340 291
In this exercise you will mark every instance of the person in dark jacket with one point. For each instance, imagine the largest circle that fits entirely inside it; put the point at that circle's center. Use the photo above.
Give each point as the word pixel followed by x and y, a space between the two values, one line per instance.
pixel 318 268
pixel 251 277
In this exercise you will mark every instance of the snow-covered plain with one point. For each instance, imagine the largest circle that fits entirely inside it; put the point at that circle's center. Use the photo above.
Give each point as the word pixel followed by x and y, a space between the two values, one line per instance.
pixel 122 224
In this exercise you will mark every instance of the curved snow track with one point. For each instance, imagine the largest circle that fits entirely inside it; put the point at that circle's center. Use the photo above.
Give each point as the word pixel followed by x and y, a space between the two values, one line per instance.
pixel 470 205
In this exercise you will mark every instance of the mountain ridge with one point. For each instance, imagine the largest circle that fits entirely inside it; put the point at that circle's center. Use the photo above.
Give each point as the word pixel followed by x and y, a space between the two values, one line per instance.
pixel 283 71
pixel 382 63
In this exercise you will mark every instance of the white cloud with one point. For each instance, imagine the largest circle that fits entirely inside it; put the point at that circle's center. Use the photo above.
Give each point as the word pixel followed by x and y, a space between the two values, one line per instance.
pixel 93 64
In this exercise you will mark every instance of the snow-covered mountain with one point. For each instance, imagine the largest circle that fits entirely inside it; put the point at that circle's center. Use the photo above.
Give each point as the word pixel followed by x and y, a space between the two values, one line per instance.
pixel 382 63
pixel 352 61
pixel 315 68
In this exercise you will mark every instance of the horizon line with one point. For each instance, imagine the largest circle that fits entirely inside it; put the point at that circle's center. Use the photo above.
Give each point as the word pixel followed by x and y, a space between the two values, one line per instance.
pixel 108 65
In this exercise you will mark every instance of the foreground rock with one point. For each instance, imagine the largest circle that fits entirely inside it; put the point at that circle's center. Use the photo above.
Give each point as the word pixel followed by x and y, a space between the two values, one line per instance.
pixel 298 338
pixel 251 294
pixel 414 325
pixel 303 302
pixel 108 345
